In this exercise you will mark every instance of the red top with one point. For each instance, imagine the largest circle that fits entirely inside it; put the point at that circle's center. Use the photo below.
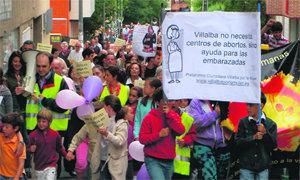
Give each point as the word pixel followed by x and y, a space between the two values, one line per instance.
pixel 47 147
pixel 155 146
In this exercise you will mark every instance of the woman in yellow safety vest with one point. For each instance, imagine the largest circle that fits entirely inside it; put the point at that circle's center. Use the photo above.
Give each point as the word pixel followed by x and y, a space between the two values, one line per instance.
pixel 115 79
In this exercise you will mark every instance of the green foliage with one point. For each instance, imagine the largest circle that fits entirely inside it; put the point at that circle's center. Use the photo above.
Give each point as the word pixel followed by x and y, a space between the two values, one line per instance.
pixel 142 10
pixel 233 6
pixel 216 7
pixel 133 11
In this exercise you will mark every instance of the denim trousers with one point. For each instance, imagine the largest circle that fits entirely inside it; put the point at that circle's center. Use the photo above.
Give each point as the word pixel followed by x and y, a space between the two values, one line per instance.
pixel 159 168
pixel 246 174
pixel 10 178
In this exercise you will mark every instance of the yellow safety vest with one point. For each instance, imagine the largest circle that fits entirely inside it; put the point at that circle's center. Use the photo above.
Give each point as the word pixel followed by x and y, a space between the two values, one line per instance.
pixel 183 155
pixel 123 94
pixel 60 120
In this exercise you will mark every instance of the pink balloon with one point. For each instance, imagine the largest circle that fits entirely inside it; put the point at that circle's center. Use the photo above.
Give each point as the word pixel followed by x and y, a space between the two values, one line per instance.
pixel 136 151
pixel 68 99
pixel 92 87
pixel 85 109
pixel 70 83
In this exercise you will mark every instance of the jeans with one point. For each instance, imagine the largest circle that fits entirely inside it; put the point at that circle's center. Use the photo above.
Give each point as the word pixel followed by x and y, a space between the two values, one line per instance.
pixel 159 168
pixel 10 178
pixel 246 174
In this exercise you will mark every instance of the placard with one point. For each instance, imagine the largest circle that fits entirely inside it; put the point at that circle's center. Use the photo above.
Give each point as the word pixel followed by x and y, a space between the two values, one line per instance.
pixel 144 40
pixel 119 42
pixel 212 55
pixel 97 119
pixel 139 83
pixel 44 47
pixel 83 68
pixel 73 42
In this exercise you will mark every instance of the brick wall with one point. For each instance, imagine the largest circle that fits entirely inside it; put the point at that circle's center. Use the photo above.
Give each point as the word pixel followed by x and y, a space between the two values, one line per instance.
pixel 279 7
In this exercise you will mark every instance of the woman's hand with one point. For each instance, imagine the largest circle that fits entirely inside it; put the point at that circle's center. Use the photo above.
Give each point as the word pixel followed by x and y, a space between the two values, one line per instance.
pixel 19 90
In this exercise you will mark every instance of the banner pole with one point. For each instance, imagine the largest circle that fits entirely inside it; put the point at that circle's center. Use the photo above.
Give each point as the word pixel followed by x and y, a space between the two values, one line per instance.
pixel 259 113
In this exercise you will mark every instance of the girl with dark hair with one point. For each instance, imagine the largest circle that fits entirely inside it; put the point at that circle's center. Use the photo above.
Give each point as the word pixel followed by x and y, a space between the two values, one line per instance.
pixel 158 133
pixel 145 105
pixel 112 141
pixel 114 77
pixel 133 73
pixel 14 78
pixel 134 95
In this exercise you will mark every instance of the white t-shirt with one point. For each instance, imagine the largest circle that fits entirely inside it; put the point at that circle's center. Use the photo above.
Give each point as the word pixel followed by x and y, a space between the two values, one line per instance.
pixel 77 56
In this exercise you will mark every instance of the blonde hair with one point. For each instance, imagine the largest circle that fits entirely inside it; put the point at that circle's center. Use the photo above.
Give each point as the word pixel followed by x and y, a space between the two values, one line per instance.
pixel 45 114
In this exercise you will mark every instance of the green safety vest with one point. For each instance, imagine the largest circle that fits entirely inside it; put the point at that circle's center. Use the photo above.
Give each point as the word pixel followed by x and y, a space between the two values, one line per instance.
pixel 183 155
pixel 123 94
pixel 59 121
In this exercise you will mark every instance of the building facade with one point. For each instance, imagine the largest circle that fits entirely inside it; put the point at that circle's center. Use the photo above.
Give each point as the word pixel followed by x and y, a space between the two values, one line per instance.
pixel 288 13
pixel 21 21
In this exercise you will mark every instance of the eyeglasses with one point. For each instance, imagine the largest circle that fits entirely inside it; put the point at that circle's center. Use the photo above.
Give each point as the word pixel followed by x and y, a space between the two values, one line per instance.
pixel 77 46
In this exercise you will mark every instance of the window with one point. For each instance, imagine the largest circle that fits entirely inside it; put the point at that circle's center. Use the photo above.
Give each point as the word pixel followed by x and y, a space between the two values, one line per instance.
pixel 5 9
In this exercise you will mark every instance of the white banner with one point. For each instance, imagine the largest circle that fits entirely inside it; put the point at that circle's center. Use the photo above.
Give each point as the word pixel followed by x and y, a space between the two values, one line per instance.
pixel 212 55
pixel 144 40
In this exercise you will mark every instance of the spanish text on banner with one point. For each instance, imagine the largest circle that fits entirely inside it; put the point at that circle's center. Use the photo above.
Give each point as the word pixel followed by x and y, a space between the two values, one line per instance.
pixel 212 55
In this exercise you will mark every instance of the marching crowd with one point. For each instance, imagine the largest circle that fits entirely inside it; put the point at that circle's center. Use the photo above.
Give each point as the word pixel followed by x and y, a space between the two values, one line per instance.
pixel 182 138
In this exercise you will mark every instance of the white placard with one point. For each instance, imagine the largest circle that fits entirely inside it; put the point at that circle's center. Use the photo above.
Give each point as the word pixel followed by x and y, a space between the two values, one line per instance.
pixel 212 55
pixel 144 42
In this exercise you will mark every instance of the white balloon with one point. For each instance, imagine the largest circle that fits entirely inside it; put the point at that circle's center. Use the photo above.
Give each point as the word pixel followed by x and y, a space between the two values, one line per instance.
pixel 136 151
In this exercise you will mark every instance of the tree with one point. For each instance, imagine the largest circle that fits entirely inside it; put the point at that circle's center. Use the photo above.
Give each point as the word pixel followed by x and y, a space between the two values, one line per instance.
pixel 233 6
pixel 90 25
pixel 142 11
pixel 133 11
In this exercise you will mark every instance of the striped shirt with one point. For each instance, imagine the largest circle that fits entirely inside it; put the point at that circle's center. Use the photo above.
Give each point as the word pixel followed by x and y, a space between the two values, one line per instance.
pixel 273 42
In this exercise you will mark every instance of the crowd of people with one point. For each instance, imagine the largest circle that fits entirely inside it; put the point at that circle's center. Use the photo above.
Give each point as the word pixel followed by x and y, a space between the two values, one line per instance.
pixel 182 138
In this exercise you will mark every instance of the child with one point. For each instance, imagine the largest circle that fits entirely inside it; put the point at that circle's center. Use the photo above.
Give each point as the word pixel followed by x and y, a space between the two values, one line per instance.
pixel 134 95
pixel 45 143
pixel 256 140
pixel 83 142
pixel 184 105
pixel 158 132
pixel 100 156
pixel 145 105
pixel 117 147
pixel 183 143
pixel 11 166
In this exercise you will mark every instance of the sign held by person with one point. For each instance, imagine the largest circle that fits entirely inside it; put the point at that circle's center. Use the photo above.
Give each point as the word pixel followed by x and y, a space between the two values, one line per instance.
pixel 83 68
pixel 44 47
pixel 97 119
pixel 144 40
pixel 212 55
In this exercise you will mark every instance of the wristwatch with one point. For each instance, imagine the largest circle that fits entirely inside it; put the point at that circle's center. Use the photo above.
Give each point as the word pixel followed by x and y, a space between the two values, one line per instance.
pixel 22 142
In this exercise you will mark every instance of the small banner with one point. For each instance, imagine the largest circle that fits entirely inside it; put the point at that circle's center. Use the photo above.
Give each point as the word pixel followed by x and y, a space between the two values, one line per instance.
pixel 97 119
pixel 83 68
pixel 44 47
pixel 144 40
